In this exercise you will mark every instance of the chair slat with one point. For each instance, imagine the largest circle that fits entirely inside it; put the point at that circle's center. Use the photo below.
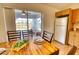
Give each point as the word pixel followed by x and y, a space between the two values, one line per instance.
pixel 47 36
pixel 25 34
pixel 14 35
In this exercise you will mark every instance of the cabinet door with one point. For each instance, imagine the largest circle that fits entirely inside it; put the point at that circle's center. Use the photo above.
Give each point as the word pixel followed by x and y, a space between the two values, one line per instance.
pixel 74 38
pixel 75 16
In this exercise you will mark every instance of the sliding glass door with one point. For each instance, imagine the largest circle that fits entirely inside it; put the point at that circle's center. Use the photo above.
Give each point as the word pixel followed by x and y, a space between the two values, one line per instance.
pixel 34 23
pixel 21 20
pixel 29 21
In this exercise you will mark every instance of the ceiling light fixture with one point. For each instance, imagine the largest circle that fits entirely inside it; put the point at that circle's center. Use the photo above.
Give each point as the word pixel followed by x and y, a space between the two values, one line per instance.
pixel 23 12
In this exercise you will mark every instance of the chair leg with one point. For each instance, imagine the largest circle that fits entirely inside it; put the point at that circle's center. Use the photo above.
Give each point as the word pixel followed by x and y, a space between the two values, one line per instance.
pixel 55 53
pixel 72 51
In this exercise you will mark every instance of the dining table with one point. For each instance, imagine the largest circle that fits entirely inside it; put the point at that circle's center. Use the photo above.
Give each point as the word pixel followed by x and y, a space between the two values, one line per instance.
pixel 32 48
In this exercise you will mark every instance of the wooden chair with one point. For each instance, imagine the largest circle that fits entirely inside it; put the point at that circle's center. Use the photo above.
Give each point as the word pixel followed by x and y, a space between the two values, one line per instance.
pixel 72 50
pixel 25 34
pixel 38 34
pixel 47 36
pixel 14 35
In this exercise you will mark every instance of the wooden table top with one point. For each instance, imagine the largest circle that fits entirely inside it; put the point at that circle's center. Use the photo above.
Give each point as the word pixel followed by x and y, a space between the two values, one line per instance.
pixel 33 49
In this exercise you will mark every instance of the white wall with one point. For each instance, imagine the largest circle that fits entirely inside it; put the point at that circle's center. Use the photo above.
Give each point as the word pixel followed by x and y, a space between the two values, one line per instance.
pixel 10 19
pixel 3 33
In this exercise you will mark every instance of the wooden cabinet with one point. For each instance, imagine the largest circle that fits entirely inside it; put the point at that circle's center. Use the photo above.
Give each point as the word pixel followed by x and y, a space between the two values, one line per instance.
pixel 75 16
pixel 63 13
pixel 74 38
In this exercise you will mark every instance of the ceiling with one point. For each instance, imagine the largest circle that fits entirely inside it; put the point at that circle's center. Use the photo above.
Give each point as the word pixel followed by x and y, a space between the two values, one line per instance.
pixel 58 6
pixel 61 6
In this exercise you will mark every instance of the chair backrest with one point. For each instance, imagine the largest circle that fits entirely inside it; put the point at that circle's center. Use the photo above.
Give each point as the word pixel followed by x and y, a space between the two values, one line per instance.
pixel 47 36
pixel 25 34
pixel 14 35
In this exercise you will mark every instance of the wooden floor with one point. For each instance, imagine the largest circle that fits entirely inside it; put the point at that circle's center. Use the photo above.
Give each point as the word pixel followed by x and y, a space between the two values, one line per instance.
pixel 33 49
